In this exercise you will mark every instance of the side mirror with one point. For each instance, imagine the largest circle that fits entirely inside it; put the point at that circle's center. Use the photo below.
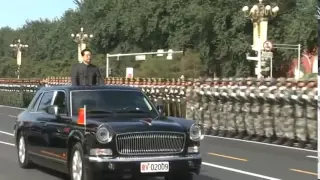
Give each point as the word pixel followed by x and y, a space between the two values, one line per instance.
pixel 54 110
pixel 160 108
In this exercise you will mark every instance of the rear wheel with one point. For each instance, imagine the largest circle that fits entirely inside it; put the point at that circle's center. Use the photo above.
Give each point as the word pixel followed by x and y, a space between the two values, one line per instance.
pixel 23 155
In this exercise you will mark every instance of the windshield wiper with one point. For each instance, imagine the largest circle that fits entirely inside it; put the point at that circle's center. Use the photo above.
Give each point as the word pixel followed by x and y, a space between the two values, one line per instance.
pixel 129 110
pixel 100 112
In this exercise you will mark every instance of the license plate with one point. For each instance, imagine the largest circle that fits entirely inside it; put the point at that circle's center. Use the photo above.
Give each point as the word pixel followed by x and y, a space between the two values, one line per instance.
pixel 153 167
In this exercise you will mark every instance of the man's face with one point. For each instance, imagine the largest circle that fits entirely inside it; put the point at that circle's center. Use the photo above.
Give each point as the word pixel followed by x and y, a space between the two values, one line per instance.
pixel 87 57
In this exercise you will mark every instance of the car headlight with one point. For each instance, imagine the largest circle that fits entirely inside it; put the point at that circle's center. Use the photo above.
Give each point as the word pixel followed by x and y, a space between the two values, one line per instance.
pixel 195 132
pixel 103 134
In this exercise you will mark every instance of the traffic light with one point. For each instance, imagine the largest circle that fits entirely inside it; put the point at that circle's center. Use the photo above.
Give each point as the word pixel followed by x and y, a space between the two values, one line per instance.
pixel 265 66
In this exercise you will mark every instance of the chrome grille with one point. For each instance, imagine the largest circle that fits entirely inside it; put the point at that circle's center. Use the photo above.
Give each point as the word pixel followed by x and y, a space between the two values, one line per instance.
pixel 150 143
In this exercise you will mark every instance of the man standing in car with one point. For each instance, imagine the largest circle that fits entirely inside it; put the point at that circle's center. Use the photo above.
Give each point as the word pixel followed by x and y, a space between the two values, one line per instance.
pixel 85 73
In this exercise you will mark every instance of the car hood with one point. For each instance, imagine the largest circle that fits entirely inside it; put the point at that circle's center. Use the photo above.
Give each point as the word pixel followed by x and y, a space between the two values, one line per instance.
pixel 126 125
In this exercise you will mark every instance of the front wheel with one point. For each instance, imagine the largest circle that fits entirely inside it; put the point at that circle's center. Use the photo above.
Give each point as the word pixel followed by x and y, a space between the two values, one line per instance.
pixel 76 165
pixel 23 155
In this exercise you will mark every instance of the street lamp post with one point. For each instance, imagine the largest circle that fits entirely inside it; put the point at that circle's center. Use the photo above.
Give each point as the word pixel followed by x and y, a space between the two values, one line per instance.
pixel 81 38
pixel 18 48
pixel 259 15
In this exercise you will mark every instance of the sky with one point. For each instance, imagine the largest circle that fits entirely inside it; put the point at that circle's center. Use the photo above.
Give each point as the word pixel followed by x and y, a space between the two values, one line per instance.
pixel 14 13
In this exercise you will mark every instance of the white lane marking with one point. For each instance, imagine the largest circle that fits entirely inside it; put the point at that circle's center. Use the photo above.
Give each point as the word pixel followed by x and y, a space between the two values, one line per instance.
pixel 239 171
pixel 9 144
pixel 12 116
pixel 254 142
pixel 314 157
pixel 6 133
pixel 12 107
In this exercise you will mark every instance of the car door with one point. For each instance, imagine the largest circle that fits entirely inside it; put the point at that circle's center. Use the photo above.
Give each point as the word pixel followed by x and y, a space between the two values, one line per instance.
pixel 58 129
pixel 37 133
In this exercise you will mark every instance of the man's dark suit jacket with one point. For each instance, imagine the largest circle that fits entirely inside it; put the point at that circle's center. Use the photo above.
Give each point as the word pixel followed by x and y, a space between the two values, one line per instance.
pixel 83 74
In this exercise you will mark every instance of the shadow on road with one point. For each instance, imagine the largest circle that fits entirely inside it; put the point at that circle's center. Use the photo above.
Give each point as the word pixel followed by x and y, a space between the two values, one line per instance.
pixel 51 172
pixel 63 176
pixel 204 177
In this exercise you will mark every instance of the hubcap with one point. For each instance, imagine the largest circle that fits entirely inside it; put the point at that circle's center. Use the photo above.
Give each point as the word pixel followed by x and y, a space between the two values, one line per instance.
pixel 76 166
pixel 22 149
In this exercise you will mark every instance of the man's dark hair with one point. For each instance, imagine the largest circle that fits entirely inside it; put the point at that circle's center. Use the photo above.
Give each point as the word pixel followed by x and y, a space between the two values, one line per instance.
pixel 82 52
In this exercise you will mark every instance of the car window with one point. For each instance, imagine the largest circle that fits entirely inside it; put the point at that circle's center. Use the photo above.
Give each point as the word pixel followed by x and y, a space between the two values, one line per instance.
pixel 111 100
pixel 33 105
pixel 45 100
pixel 60 101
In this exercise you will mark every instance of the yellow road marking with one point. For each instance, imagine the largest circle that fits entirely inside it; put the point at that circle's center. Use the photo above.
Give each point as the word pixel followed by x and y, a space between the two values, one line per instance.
pixel 304 172
pixel 229 157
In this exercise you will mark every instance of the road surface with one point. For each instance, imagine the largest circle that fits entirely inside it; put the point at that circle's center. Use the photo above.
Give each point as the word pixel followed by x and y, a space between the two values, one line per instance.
pixel 223 159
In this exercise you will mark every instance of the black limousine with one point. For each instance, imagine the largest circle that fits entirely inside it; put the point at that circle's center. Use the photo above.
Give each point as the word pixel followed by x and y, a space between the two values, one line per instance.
pixel 91 132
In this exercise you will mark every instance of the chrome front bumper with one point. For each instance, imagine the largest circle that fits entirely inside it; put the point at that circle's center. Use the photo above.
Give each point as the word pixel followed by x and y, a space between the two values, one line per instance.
pixel 147 158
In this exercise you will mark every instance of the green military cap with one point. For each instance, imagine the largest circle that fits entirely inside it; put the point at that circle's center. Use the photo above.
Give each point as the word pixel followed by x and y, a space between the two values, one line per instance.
pixel 290 80
pixel 224 79
pixel 190 80
pixel 196 80
pixel 208 80
pixel 239 79
pixel 231 79
pixel 216 79
pixel 260 79
pixel 268 79
pixel 312 79
pixel 281 79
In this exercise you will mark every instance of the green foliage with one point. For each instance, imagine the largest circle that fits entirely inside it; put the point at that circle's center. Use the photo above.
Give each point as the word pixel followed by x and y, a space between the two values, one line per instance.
pixel 215 36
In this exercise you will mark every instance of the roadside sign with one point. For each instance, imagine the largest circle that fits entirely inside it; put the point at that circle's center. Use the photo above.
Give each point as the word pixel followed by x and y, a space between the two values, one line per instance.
pixel 129 72
pixel 266 54
pixel 267 45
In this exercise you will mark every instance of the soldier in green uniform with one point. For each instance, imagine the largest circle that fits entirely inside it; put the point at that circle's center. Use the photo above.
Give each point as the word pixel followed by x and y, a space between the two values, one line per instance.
pixel 257 110
pixel 214 106
pixel 240 99
pixel 311 97
pixel 287 112
pixel 300 113
pixel 230 113
pixel 277 109
pixel 268 102
pixel 205 104
pixel 198 101
pixel 224 107
pixel 160 92
pixel 181 98
pixel 174 97
pixel 189 100
pixel 248 109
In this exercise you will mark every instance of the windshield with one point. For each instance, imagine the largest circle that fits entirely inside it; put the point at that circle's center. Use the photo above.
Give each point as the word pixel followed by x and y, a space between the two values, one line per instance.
pixel 112 101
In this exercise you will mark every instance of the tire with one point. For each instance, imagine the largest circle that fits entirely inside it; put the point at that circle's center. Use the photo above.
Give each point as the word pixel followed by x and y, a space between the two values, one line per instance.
pixel 76 160
pixel 22 152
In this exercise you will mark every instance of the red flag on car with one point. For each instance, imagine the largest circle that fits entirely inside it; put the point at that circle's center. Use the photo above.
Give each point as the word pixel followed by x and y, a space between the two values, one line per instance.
pixel 82 116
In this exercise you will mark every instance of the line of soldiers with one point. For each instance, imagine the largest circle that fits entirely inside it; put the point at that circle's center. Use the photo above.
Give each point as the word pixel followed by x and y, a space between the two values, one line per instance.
pixel 280 111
